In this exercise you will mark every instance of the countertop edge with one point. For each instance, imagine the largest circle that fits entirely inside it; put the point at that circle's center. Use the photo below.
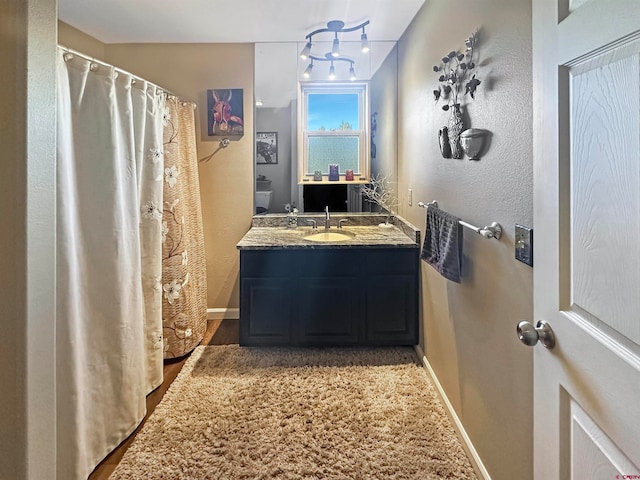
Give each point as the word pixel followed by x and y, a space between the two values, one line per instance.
pixel 324 246
pixel 365 237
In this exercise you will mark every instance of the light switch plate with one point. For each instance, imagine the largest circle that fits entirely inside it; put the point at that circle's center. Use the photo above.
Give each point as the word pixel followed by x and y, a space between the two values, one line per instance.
pixel 410 197
pixel 524 244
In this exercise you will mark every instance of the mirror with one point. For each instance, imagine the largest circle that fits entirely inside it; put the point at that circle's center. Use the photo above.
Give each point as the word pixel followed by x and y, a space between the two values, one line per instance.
pixel 278 69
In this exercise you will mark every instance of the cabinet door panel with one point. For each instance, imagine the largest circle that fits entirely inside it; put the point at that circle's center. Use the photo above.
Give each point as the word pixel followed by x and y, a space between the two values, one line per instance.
pixel 329 310
pixel 265 311
pixel 392 314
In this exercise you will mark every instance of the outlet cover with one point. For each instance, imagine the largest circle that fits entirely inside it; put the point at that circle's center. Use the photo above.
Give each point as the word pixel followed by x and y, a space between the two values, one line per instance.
pixel 524 244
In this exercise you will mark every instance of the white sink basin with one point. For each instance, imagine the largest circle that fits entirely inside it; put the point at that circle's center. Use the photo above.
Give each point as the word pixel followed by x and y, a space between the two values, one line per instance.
pixel 329 236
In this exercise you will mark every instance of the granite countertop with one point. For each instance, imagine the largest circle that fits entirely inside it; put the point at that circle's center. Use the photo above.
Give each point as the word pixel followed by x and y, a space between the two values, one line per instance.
pixel 263 238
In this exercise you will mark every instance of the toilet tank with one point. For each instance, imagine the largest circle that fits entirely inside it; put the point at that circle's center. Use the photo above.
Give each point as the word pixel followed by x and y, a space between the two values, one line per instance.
pixel 263 199
pixel 263 185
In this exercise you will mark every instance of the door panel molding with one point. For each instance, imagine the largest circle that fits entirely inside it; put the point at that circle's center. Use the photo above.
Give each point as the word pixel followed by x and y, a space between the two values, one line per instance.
pixel 605 189
pixel 595 27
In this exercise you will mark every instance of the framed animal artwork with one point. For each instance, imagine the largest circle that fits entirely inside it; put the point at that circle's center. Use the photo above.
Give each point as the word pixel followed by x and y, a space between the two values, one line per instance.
pixel 225 112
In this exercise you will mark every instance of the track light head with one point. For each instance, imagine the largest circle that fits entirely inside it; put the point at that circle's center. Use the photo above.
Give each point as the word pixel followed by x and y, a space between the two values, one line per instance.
pixel 306 51
pixel 307 72
pixel 332 72
pixel 335 51
pixel 364 42
pixel 352 73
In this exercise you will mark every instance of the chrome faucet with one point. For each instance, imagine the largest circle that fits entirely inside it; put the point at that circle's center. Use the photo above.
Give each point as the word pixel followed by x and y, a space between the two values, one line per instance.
pixel 327 218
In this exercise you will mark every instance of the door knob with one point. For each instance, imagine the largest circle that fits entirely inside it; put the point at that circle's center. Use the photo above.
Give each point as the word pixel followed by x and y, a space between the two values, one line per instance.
pixel 529 335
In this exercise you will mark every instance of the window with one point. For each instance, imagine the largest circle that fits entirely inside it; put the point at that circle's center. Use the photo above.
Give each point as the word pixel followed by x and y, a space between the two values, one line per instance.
pixel 334 130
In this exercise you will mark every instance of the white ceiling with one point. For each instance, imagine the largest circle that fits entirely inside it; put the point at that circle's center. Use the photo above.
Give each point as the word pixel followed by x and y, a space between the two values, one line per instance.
pixel 178 21
pixel 266 22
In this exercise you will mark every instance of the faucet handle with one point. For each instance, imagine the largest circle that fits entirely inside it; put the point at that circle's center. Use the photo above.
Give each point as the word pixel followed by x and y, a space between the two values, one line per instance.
pixel 313 222
pixel 341 221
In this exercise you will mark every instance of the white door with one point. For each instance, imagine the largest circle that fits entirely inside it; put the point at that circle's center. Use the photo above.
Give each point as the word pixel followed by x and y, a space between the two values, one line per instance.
pixel 586 62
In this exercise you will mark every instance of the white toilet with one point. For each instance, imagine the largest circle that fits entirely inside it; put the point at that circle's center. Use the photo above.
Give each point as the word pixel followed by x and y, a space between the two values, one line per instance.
pixel 263 201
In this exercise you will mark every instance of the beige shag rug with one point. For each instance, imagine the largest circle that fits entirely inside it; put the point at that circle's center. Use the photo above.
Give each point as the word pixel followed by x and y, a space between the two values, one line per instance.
pixel 279 413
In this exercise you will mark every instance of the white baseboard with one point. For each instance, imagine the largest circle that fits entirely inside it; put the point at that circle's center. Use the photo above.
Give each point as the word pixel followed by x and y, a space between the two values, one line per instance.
pixel 223 313
pixel 474 458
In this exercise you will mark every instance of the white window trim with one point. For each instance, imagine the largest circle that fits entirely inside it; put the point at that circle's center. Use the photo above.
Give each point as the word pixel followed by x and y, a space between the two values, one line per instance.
pixel 362 89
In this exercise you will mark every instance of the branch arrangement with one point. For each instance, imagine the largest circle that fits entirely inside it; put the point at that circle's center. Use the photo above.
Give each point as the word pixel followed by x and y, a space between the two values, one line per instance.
pixel 379 191
pixel 454 71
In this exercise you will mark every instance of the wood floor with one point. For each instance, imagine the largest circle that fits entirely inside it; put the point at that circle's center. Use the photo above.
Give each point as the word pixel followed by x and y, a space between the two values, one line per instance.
pixel 219 332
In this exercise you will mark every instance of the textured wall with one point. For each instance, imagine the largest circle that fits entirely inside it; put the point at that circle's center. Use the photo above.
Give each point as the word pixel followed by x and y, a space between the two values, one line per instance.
pixel 468 330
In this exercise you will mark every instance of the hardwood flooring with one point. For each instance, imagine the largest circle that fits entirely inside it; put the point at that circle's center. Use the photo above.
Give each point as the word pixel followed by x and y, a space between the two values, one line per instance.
pixel 219 332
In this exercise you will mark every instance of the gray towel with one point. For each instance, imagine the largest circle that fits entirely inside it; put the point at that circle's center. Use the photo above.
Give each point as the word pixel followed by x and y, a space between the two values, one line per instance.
pixel 442 247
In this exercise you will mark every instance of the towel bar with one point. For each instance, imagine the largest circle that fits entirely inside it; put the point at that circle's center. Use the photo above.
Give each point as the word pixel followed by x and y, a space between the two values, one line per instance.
pixel 488 231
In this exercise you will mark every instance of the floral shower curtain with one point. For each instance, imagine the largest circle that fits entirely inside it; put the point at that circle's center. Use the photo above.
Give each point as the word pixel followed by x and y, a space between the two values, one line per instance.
pixel 184 277
pixel 108 264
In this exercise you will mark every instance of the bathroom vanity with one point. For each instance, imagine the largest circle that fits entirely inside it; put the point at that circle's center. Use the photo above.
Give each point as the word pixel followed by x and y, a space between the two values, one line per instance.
pixel 358 290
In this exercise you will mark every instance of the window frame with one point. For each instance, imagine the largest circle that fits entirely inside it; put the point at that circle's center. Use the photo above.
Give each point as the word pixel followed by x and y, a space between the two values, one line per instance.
pixel 362 89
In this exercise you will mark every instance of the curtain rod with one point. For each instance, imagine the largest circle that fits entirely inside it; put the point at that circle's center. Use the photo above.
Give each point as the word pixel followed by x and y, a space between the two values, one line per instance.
pixel 120 70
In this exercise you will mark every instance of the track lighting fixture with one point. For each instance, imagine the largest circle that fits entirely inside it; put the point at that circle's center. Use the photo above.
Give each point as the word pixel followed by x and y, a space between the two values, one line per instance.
pixel 336 27
pixel 332 69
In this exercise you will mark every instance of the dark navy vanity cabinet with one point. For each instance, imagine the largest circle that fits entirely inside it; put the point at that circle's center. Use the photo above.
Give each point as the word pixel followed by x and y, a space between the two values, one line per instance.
pixel 329 296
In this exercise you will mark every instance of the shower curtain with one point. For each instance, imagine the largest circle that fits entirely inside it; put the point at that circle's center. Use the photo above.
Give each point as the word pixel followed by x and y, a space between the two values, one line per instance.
pixel 108 280
pixel 184 276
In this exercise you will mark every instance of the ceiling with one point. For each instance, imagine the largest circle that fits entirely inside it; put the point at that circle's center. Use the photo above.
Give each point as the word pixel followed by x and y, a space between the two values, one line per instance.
pixel 274 24
pixel 252 21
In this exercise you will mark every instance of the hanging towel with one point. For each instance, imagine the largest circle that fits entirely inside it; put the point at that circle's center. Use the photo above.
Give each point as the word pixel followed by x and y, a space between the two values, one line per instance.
pixel 442 247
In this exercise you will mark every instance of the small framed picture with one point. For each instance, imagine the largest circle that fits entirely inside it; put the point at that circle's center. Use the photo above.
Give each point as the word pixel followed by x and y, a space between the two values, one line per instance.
pixel 225 112
pixel 267 148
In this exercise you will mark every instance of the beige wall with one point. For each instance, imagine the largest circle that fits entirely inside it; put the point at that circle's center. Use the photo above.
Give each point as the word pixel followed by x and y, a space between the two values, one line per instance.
pixel 226 180
pixel 75 39
pixel 468 330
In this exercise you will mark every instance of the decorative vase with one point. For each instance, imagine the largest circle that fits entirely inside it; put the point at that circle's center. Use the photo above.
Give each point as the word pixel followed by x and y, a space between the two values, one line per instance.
pixel 472 141
pixel 443 140
pixel 455 128
pixel 334 172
